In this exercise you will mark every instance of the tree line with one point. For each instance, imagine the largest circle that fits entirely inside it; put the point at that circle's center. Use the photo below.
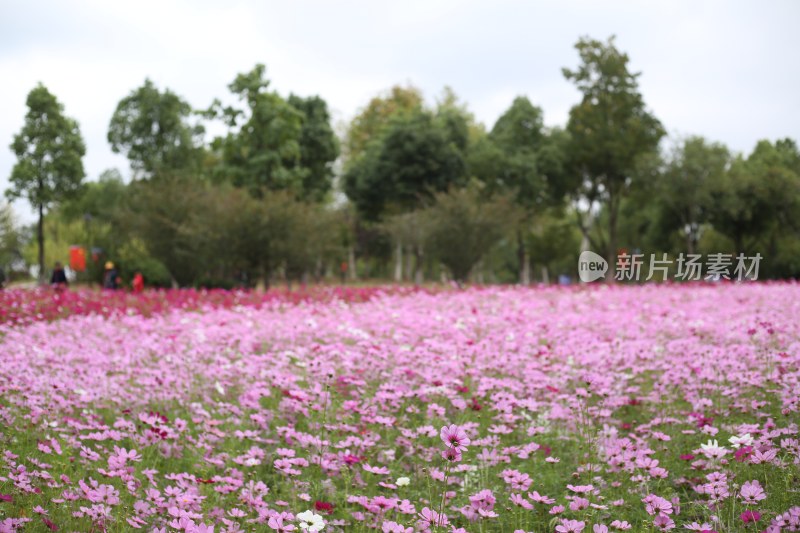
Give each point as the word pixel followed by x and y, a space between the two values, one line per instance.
pixel 409 190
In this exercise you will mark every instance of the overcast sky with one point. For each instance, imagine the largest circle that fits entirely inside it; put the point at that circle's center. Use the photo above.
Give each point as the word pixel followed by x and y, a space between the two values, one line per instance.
pixel 727 70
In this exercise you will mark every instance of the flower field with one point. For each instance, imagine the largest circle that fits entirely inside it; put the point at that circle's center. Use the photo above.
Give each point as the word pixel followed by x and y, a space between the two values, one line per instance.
pixel 593 409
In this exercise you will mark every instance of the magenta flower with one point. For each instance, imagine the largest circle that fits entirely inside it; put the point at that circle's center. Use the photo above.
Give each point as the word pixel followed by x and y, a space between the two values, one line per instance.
pixel 454 437
pixel 452 455
pixel 750 516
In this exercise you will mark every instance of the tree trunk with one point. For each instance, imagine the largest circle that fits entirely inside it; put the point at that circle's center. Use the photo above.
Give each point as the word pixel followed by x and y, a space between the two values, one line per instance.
pixel 40 239
pixel 398 265
pixel 526 268
pixel 351 264
pixel 545 275
pixel 523 260
pixel 409 270
pixel 418 274
pixel 612 240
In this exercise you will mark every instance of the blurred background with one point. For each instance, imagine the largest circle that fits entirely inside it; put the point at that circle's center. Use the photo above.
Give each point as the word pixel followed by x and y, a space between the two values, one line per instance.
pixel 256 143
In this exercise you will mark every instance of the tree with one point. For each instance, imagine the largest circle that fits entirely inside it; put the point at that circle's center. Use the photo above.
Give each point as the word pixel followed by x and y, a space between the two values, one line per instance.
pixel 49 151
pixel 455 119
pixel 160 213
pixel 462 225
pixel 11 239
pixel 413 159
pixel 521 158
pixel 609 131
pixel 685 189
pixel 319 146
pixel 759 195
pixel 376 117
pixel 263 149
pixel 151 128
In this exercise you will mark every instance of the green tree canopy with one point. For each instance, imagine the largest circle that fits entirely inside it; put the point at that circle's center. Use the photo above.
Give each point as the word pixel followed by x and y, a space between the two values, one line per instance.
pixel 413 159
pixel 462 225
pixel 375 118
pixel 319 146
pixel 152 129
pixel 49 151
pixel 691 175
pixel 759 193
pixel 275 144
pixel 609 130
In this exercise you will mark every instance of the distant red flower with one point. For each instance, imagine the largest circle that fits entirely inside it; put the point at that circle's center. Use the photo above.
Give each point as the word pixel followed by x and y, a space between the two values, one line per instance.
pixel 475 406
pixel 50 525
pixel 750 516
pixel 351 459
pixel 743 453
pixel 323 506
pixel 687 457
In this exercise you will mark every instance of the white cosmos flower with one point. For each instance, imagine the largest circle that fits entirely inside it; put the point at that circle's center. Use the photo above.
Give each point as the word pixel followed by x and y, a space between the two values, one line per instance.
pixel 403 481
pixel 310 521
pixel 713 450
pixel 741 440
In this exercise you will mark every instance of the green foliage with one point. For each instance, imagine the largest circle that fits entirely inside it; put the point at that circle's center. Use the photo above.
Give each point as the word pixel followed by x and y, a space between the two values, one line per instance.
pixel 151 128
pixel 133 257
pixel 685 189
pixel 759 194
pixel 262 151
pixel 413 159
pixel 319 146
pixel 609 131
pixel 12 240
pixel 375 118
pixel 219 235
pixel 265 215
pixel 49 151
pixel 275 144
pixel 462 225
pixel 554 242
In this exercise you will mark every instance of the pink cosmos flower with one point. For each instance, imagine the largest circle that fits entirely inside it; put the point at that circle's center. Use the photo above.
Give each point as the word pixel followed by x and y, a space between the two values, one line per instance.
pixel 750 516
pixel 570 526
pixel 452 455
pixel 429 518
pixel 454 437
pixel 538 498
pixel 657 505
pixel 664 522
pixel 752 492
pixel 276 524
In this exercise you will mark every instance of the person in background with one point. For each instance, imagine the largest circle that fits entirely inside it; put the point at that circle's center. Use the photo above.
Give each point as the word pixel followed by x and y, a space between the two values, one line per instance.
pixel 59 278
pixel 110 277
pixel 138 282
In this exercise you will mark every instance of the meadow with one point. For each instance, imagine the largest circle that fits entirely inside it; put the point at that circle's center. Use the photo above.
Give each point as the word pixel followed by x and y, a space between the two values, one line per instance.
pixel 490 409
